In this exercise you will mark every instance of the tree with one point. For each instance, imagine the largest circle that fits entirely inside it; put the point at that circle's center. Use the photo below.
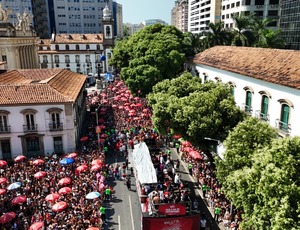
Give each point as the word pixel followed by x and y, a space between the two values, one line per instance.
pixel 193 109
pixel 268 191
pixel 155 53
pixel 240 146
pixel 217 35
pixel 242 34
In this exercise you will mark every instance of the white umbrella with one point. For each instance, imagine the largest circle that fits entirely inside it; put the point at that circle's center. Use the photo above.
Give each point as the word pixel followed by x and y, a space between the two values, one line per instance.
pixel 14 185
pixel 92 195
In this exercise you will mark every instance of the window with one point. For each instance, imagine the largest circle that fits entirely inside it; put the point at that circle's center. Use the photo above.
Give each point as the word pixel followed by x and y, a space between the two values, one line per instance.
pixel 6 149
pixel 264 108
pixel 248 2
pixel 284 118
pixel 87 58
pixel 67 58
pixel 29 122
pixel 4 123
pixel 55 121
pixel 248 102
pixel 67 47
pixel 77 59
pixel 98 47
pixel 77 47
pixel 45 59
pixel 4 58
pixel 87 47
pixel 56 47
pixel 56 58
pixel 32 146
pixel 259 2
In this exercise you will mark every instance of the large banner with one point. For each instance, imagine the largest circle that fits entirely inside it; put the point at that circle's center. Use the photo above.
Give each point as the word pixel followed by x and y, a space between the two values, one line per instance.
pixel 172 209
pixel 172 223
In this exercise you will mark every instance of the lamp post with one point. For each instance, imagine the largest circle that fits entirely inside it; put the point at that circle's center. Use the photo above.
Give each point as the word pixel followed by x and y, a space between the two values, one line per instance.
pixel 97 120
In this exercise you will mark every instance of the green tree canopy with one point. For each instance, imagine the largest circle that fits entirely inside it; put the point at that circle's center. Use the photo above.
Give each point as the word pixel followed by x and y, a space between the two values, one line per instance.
pixel 193 109
pixel 269 190
pixel 149 56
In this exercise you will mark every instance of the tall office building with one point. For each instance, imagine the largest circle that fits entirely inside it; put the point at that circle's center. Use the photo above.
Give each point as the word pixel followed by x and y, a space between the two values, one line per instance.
pixel 290 23
pixel 201 13
pixel 261 8
pixel 118 19
pixel 179 16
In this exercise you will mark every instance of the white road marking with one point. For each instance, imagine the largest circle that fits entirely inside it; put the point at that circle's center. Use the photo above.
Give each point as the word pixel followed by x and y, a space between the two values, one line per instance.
pixel 132 222
pixel 119 221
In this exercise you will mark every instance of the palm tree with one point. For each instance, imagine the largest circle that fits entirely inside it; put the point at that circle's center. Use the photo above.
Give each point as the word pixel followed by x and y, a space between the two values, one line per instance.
pixel 242 34
pixel 217 35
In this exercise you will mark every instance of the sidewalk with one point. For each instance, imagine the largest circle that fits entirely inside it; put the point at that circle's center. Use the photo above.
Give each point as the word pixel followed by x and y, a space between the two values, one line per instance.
pixel 204 208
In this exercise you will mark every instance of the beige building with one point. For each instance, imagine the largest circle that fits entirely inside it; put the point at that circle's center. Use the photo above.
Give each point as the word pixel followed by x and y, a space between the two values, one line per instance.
pixel 180 15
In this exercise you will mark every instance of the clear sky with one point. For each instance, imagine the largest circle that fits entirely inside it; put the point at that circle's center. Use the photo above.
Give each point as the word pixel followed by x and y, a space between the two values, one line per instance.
pixel 137 11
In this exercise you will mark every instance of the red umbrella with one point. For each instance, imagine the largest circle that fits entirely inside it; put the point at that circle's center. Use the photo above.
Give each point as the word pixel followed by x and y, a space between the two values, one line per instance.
pixel 136 118
pixel 19 158
pixel 64 181
pixel 18 200
pixel 114 106
pixel 82 168
pixel 92 228
pixel 52 197
pixel 188 149
pixel 102 126
pixel 145 110
pixel 97 162
pixel 121 107
pixel 65 190
pixel 177 136
pixel 132 111
pixel 195 155
pixel 37 226
pixel 72 155
pixel 96 167
pixel 186 144
pixel 40 174
pixel 3 163
pixel 38 162
pixel 3 180
pixel 83 139
pixel 7 217
pixel 104 135
pixel 2 191
pixel 139 105
pixel 59 206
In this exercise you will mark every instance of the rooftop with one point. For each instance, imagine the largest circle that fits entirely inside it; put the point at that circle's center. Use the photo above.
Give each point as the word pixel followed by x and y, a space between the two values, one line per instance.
pixel 277 66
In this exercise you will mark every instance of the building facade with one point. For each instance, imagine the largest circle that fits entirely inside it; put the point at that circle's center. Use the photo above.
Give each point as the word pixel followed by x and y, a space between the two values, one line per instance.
pixel 47 118
pixel 118 20
pixel 290 23
pixel 180 15
pixel 201 13
pixel 264 82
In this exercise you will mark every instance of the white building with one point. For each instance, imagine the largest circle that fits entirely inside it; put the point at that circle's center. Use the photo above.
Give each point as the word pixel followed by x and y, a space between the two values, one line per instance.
pixel 201 13
pixel 41 112
pixel 179 17
pixel 265 82
pixel 261 8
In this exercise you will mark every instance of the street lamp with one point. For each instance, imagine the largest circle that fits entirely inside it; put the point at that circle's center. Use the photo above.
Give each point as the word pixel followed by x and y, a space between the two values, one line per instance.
pixel 220 147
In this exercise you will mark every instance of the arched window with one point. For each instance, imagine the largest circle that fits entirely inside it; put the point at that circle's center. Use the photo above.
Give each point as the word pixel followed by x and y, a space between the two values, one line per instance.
pixel 56 47
pixel 232 85
pixel 77 47
pixel 283 122
pixel 264 108
pixel 248 102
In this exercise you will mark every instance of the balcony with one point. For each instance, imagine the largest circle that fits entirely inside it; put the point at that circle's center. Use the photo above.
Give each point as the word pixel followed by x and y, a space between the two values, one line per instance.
pixel 5 129
pixel 283 127
pixel 30 128
pixel 262 116
pixel 247 109
pixel 55 126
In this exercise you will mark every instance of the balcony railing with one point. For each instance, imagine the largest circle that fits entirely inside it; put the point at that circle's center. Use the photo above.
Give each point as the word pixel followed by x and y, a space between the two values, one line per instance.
pixel 5 129
pixel 29 128
pixel 262 116
pixel 247 109
pixel 56 126
pixel 283 127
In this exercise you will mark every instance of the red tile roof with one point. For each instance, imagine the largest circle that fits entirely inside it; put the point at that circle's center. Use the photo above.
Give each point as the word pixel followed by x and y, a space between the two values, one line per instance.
pixel 39 86
pixel 73 38
pixel 277 66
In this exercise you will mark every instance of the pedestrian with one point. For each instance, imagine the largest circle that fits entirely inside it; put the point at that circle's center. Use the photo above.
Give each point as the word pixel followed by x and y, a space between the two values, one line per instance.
pixel 103 214
pixel 177 146
pixel 190 167
pixel 204 189
pixel 108 193
pixel 217 213
pixel 128 183
pixel 203 223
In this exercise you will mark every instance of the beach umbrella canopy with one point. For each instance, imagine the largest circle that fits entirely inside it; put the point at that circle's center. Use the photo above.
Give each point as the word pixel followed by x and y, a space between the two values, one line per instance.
pixel 83 139
pixel 59 206
pixel 3 163
pixel 92 195
pixel 18 200
pixel 52 197
pixel 7 217
pixel 14 185
pixel 64 181
pixel 186 144
pixel 2 191
pixel 3 180
pixel 66 161
pixel 38 162
pixel 40 174
pixel 96 167
pixel 82 168
pixel 138 105
pixel 65 190
pixel 37 225
pixel 97 162
pixel 92 228
pixel 72 155
pixel 104 135
pixel 19 158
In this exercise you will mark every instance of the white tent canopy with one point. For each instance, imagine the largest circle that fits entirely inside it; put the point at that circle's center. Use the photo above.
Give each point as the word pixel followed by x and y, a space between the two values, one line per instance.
pixel 142 162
